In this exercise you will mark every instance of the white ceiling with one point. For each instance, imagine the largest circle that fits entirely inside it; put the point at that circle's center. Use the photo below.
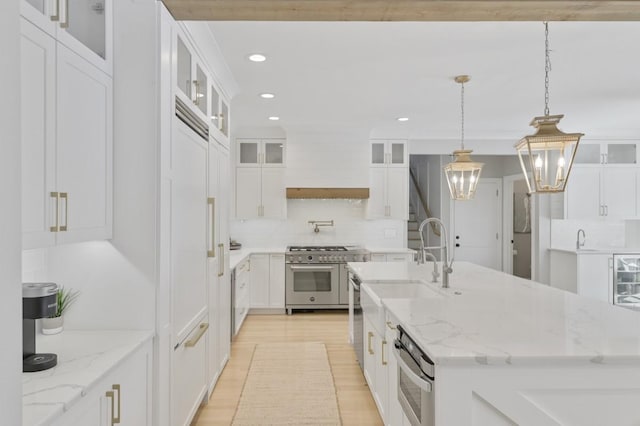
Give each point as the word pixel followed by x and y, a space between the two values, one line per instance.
pixel 363 75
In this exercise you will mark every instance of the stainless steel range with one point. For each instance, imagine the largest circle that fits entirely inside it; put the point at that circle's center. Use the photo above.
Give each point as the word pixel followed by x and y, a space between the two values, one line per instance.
pixel 317 276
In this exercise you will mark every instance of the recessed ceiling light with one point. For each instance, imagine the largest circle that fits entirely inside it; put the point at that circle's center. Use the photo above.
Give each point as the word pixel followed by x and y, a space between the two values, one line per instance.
pixel 402 118
pixel 273 118
pixel 267 95
pixel 257 57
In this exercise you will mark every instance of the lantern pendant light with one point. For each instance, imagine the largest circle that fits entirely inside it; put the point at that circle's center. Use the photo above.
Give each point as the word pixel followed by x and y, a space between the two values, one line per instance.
pixel 463 173
pixel 546 157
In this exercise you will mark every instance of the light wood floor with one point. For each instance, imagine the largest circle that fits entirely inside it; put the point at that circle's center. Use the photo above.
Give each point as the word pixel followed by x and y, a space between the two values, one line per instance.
pixel 330 327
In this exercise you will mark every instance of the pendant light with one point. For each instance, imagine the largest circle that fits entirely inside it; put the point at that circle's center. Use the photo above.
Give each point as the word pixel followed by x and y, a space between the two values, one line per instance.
pixel 463 173
pixel 546 157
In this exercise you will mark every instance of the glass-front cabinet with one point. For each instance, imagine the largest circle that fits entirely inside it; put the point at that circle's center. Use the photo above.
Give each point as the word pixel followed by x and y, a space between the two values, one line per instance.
pixel 191 79
pixel 626 281
pixel 614 152
pixel 219 111
pixel 261 152
pixel 83 26
pixel 391 153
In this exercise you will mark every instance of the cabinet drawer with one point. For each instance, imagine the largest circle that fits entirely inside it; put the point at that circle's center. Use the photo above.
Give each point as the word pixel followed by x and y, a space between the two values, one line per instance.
pixel 189 371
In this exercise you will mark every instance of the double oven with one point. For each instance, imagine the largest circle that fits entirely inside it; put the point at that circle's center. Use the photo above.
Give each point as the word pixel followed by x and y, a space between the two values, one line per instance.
pixel 316 277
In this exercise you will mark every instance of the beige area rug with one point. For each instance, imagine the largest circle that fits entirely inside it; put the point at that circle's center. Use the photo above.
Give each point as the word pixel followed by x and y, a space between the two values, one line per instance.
pixel 288 384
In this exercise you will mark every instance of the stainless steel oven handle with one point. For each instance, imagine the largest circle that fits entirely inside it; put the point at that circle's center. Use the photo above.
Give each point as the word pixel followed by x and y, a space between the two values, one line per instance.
pixel 310 268
pixel 423 383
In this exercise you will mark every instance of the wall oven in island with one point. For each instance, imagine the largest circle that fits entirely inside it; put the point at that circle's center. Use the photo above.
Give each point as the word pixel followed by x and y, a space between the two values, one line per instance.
pixel 416 380
pixel 317 278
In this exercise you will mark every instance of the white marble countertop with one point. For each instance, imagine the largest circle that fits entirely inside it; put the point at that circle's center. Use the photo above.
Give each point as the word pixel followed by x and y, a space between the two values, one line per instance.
pixel 500 319
pixel 84 357
pixel 391 271
pixel 237 256
pixel 390 250
pixel 600 250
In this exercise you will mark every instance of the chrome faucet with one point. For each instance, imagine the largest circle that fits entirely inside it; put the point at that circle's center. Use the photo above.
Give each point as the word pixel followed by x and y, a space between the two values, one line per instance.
pixel 446 265
pixel 584 237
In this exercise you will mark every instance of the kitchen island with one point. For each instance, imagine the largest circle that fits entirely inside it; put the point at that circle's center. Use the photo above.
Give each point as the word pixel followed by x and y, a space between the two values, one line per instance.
pixel 511 351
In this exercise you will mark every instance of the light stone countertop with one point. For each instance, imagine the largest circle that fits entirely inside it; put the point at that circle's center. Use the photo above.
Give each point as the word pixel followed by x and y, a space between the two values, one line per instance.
pixel 500 319
pixel 391 271
pixel 84 357
pixel 601 250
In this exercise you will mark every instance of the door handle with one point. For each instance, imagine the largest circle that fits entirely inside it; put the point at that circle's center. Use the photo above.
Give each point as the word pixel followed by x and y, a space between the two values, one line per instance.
pixel 384 362
pixel 221 260
pixel 211 204
pixel 56 227
pixel 64 20
pixel 370 335
pixel 66 211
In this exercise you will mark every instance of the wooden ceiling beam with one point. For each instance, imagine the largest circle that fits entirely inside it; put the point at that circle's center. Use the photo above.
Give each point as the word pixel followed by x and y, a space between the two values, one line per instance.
pixel 404 10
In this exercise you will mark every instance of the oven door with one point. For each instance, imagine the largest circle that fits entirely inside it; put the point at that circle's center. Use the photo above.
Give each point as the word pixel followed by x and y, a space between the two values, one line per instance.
pixel 313 284
pixel 415 390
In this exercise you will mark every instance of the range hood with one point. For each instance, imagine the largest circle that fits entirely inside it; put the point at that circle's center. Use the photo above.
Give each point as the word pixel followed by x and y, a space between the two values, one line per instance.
pixel 348 193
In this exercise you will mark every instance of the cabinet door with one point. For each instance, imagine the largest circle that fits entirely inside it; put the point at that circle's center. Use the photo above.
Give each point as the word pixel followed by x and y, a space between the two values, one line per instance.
pixel 397 154
pixel 273 193
pixel 37 68
pixel 621 153
pixel 370 350
pixel 259 280
pixel 213 261
pixel 134 378
pixel 394 410
pixel 224 280
pixel 377 203
pixel 619 190
pixel 276 281
pixel 41 13
pixel 378 153
pixel 583 193
pixel 224 118
pixel 86 28
pixel 589 153
pixel 273 153
pixel 201 87
pixel 184 64
pixel 188 229
pixel 398 193
pixel 249 153
pixel 248 192
pixel 382 381
pixel 84 148
pixel 595 276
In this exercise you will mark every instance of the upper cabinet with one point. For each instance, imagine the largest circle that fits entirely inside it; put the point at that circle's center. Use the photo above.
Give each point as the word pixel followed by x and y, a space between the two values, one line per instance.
pixel 66 144
pixel 389 153
pixel 610 153
pixel 85 27
pixel 261 152
pixel 219 113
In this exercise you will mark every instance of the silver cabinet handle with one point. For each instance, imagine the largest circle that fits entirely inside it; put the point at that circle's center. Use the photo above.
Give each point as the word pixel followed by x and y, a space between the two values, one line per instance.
pixel 56 16
pixel 56 227
pixel 220 260
pixel 65 227
pixel 64 19
pixel 201 330
pixel 211 204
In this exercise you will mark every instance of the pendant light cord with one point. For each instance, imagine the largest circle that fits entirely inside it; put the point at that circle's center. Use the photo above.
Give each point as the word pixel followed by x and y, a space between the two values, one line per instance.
pixel 462 114
pixel 547 68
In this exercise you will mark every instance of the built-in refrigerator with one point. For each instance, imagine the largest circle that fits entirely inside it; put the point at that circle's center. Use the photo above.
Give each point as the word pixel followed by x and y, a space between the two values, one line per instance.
pixel 626 280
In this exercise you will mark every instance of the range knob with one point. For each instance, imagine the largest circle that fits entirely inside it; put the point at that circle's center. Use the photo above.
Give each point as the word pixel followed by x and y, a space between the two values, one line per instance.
pixel 309 257
pixel 299 258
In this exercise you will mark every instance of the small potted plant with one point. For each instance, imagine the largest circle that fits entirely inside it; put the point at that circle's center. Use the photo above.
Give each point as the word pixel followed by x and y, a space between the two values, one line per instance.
pixel 64 299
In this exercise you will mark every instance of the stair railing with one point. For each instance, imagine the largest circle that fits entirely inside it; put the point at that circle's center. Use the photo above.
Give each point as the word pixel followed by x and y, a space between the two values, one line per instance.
pixel 423 202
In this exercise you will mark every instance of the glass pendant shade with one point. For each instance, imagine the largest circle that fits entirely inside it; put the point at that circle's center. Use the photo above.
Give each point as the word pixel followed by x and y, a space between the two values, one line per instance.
pixel 547 156
pixel 463 175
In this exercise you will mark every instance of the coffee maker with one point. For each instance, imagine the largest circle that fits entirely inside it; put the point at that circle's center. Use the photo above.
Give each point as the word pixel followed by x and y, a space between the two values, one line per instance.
pixel 39 300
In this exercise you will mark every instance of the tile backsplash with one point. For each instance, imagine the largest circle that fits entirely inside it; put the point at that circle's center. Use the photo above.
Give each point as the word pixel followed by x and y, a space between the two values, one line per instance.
pixel 350 226
pixel 599 234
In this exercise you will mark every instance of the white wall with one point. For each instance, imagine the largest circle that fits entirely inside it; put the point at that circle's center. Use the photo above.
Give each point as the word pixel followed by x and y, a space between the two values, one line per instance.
pixel 350 227
pixel 10 224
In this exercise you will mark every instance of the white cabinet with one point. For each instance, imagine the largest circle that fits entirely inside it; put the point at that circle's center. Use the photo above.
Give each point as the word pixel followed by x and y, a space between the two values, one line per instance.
pixel 389 193
pixel 602 191
pixel 259 280
pixel 242 293
pixel 67 144
pixel 261 152
pixel 82 26
pixel 586 274
pixel 376 355
pixel 392 257
pixel 267 281
pixel 260 192
pixel 389 153
pixel 122 397
pixel 219 114
pixel 191 79
pixel 395 414
pixel 609 152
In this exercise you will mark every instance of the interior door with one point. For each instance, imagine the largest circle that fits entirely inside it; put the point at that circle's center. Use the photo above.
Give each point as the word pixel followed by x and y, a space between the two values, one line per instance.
pixel 477 226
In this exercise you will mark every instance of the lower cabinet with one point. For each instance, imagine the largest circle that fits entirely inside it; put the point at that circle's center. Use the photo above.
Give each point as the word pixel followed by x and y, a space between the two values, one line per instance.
pixel 395 415
pixel 586 274
pixel 267 281
pixel 122 397
pixel 189 375
pixel 242 294
pixel 391 257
